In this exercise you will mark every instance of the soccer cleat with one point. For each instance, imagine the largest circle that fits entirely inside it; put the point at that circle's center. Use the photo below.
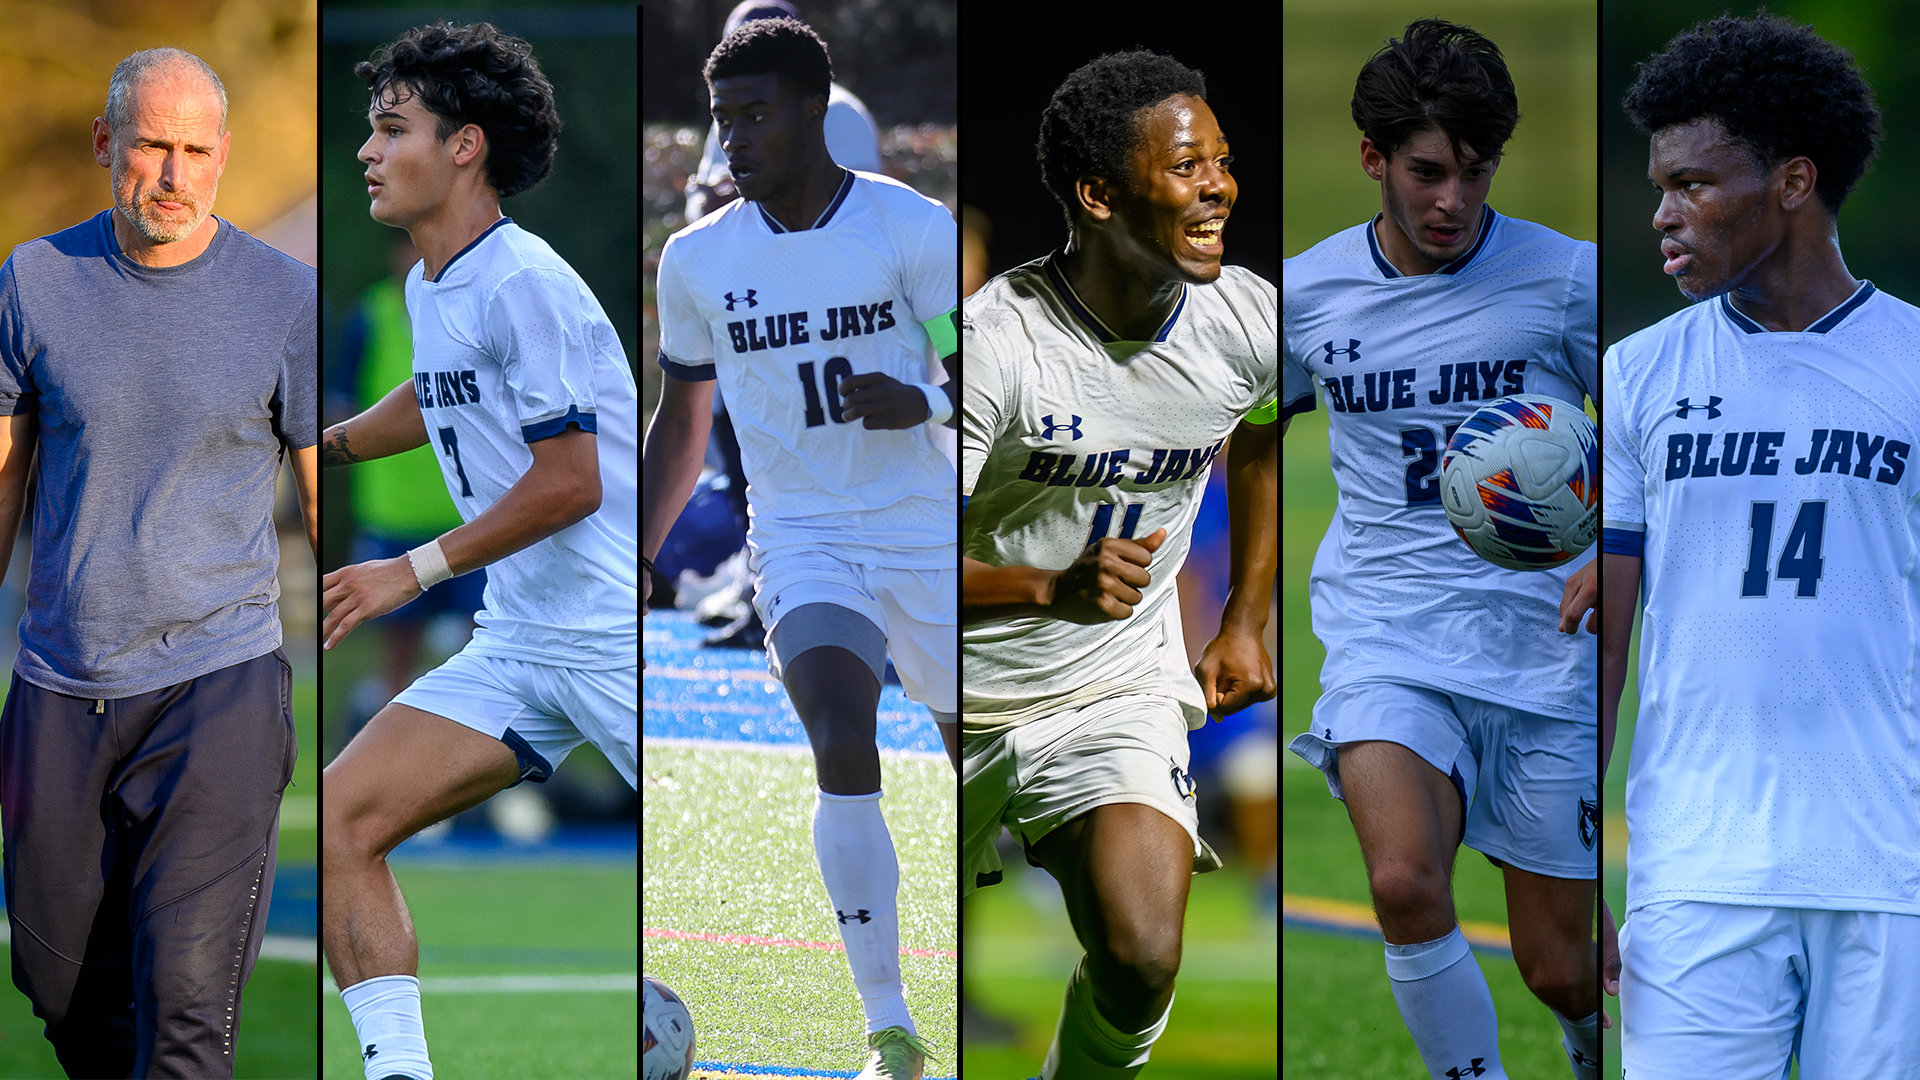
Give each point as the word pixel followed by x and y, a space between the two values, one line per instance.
pixel 894 1055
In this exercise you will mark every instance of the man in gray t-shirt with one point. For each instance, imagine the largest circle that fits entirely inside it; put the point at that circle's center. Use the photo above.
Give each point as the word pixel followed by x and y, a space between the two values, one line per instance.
pixel 163 363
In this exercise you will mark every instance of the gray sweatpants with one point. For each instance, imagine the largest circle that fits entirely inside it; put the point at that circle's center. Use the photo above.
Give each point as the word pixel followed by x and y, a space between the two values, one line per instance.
pixel 140 837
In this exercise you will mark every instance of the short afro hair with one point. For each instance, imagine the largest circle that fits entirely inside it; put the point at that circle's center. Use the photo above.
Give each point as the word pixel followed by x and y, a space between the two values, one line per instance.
pixel 1091 126
pixel 1437 75
pixel 475 75
pixel 784 47
pixel 1778 89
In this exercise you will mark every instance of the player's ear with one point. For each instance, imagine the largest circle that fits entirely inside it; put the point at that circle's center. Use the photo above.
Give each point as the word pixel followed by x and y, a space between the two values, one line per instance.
pixel 468 144
pixel 1095 196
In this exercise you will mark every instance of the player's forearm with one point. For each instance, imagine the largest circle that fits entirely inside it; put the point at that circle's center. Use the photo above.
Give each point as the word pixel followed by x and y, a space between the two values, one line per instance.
pixel 1253 509
pixel 18 445
pixel 392 426
pixel 306 478
pixel 991 591
pixel 560 488
pixel 13 498
pixel 1619 593
pixel 670 463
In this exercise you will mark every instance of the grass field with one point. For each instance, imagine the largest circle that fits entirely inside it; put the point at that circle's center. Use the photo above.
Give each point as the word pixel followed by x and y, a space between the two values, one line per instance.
pixel 538 981
pixel 738 922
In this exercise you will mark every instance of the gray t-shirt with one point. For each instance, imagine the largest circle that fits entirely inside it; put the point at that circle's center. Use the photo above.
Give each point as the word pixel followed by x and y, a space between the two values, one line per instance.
pixel 165 396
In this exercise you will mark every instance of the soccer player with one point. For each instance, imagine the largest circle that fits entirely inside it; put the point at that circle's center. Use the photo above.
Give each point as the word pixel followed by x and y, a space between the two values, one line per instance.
pixel 1103 381
pixel 1450 711
pixel 1759 498
pixel 522 389
pixel 813 302
pixel 162 362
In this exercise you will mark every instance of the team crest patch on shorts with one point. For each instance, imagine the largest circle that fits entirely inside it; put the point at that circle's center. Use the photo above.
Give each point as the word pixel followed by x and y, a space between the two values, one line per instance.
pixel 1183 783
pixel 1589 822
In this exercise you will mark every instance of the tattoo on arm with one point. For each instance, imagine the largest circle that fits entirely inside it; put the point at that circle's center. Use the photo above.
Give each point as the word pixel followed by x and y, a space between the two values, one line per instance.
pixel 334 450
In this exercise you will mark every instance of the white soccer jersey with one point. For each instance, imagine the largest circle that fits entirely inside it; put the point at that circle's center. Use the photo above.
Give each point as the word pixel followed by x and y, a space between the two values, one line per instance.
pixel 1767 480
pixel 509 348
pixel 1404 360
pixel 1068 435
pixel 779 318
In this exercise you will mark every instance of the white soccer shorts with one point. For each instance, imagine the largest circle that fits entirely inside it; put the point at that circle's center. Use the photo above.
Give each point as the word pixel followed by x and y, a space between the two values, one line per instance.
pixel 1528 781
pixel 537 709
pixel 1730 992
pixel 917 611
pixel 1041 775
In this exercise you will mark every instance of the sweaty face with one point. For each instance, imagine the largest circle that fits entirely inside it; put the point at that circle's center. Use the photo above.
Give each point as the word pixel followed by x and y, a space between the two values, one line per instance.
pixel 1175 205
pixel 168 158
pixel 763 132
pixel 1717 215
pixel 1432 196
pixel 410 170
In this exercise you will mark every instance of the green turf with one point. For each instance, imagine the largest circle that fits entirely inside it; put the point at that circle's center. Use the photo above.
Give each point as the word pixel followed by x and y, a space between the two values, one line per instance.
pixel 1020 951
pixel 275 1040
pixel 470 920
pixel 729 850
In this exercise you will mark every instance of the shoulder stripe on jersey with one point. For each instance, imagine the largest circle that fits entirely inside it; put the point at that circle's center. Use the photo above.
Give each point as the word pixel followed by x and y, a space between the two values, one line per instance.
pixel 1085 314
pixel 1624 542
pixel 840 196
pixel 1479 244
pixel 1302 404
pixel 1825 323
pixel 686 372
pixel 442 276
pixel 547 429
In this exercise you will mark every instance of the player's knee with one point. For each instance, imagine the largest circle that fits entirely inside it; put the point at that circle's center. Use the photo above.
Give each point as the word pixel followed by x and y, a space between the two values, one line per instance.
pixel 1403 889
pixel 1144 962
pixel 350 831
pixel 1554 979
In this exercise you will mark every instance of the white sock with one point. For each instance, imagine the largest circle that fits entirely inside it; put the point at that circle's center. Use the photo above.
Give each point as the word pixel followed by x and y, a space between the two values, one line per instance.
pixel 1086 1045
pixel 862 876
pixel 386 1014
pixel 1443 998
pixel 1582 1045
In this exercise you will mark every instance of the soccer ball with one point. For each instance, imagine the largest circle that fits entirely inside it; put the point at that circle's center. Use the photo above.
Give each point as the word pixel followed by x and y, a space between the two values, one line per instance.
pixel 666 1033
pixel 1520 482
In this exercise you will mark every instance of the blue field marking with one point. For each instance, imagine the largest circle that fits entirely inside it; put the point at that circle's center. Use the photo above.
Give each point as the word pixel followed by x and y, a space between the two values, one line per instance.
pixel 714 1070
pixel 726 695
pixel 617 845
pixel 295 907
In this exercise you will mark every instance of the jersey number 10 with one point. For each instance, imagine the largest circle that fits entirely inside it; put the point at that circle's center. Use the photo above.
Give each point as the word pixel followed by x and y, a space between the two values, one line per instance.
pixel 837 368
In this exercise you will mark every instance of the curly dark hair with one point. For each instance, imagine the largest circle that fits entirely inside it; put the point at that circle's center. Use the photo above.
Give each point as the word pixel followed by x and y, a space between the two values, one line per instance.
pixel 1438 75
pixel 475 75
pixel 784 47
pixel 1091 125
pixel 1778 89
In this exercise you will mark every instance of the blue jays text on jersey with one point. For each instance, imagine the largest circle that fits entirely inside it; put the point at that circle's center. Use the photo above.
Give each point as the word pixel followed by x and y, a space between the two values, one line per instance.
pixel 446 389
pixel 1757 453
pixel 756 334
pixel 1401 388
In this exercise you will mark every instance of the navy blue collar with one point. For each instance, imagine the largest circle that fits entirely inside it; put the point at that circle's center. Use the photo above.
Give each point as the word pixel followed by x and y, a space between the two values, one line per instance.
pixel 1820 326
pixel 840 196
pixel 442 275
pixel 1085 314
pixel 1479 244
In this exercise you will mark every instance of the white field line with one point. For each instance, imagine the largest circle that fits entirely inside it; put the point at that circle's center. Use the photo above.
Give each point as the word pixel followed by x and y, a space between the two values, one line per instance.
pixel 788 749
pixel 628 983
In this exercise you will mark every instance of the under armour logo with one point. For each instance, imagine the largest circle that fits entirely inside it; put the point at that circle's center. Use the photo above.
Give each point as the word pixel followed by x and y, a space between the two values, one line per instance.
pixel 1686 406
pixel 367 1055
pixel 1582 1059
pixel 1589 822
pixel 1183 783
pixel 1053 427
pixel 1472 1069
pixel 747 300
pixel 1352 351
pixel 860 915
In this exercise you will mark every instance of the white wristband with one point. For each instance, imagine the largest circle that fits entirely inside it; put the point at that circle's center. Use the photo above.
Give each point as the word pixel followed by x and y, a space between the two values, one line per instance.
pixel 429 565
pixel 939 406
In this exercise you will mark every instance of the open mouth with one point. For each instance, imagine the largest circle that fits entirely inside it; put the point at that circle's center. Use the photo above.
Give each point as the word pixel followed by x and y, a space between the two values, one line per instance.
pixel 1206 235
pixel 1445 234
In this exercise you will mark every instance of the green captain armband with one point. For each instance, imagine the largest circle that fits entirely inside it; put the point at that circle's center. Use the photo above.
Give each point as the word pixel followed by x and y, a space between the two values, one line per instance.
pixel 1266 413
pixel 945 332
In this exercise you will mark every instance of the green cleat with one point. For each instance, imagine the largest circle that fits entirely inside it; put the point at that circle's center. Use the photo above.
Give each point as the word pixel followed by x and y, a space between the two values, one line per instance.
pixel 895 1055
